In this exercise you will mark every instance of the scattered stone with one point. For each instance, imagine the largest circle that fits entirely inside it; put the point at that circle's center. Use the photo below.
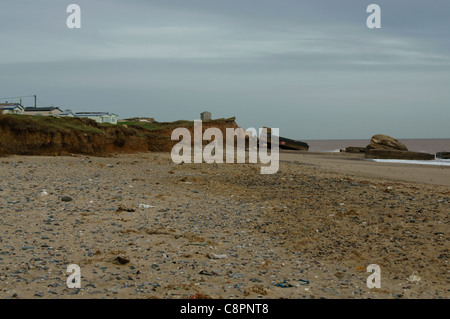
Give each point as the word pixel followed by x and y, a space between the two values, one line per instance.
pixel 66 199
pixel 201 296
pixel 145 206
pixel 414 278
pixel 214 256
pixel 339 275
pixel 122 260
pixel 258 289
pixel 203 272
pixel 123 209
pixel 388 189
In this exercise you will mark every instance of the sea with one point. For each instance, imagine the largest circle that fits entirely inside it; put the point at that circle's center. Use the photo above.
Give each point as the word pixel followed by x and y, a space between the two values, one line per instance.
pixel 415 145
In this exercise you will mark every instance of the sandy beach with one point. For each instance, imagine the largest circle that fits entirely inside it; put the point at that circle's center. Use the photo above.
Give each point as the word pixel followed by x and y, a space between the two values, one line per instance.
pixel 222 231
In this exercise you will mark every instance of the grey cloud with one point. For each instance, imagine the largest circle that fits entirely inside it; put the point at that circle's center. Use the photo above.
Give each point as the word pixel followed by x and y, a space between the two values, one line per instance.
pixel 311 68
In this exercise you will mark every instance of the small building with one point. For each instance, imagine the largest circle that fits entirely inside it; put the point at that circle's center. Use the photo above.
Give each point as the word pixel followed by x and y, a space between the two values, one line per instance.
pixel 11 108
pixel 67 114
pixel 205 116
pixel 99 117
pixel 43 111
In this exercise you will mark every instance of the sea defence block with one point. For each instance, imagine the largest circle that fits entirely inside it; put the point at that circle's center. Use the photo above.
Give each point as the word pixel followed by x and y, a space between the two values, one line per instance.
pixel 393 154
pixel 443 155
pixel 355 149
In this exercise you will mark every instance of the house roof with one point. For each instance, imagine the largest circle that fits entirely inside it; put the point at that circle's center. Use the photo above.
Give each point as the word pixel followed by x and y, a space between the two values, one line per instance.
pixel 41 109
pixel 10 106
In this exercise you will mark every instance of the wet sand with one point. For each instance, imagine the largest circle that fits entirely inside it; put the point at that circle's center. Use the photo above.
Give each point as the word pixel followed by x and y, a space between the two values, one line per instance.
pixel 222 231
pixel 354 164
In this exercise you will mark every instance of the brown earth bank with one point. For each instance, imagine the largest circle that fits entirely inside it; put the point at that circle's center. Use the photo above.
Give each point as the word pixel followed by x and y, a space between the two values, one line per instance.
pixel 28 135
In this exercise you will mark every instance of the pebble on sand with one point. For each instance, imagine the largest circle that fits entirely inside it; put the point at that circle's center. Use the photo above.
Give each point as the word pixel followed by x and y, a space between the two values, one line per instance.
pixel 66 199
pixel 122 260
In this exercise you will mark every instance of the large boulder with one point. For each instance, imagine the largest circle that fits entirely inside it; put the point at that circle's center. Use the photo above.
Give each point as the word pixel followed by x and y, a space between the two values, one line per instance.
pixel 385 142
pixel 394 154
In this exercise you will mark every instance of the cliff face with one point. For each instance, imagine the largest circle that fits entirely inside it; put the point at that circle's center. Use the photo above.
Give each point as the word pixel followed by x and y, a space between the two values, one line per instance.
pixel 26 135
pixel 161 140
pixel 27 142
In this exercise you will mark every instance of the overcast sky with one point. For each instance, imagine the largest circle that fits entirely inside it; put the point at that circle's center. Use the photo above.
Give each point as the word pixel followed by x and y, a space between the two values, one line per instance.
pixel 311 68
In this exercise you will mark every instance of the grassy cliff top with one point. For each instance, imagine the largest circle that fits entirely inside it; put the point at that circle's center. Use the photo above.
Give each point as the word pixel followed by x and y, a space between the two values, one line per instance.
pixel 51 123
pixel 163 125
pixel 48 123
